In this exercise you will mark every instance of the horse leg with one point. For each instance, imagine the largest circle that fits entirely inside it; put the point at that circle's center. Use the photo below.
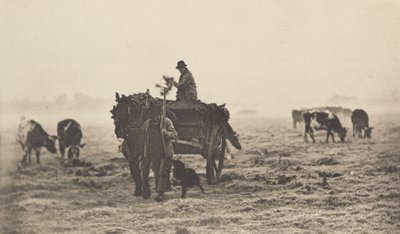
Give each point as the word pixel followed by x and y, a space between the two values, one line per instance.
pixel 134 168
pixel 136 172
pixel 136 175
pixel 145 177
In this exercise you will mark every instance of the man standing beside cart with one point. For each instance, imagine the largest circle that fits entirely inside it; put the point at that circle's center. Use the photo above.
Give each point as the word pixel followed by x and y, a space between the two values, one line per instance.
pixel 159 131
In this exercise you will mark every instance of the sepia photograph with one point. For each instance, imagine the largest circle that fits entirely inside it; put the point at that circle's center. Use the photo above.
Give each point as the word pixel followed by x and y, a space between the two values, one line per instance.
pixel 186 117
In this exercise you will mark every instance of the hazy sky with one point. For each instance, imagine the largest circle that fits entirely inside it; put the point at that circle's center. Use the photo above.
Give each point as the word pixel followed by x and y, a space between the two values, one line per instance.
pixel 240 52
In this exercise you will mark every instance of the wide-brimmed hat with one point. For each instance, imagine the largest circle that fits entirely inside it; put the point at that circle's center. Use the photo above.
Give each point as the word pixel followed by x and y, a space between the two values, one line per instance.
pixel 181 64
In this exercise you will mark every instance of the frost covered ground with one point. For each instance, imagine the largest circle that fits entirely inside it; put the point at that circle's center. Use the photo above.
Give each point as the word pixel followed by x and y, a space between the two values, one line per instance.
pixel 277 183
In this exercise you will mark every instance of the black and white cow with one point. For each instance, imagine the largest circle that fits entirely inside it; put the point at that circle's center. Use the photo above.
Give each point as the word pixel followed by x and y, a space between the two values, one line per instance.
pixel 70 135
pixel 360 121
pixel 315 121
pixel 31 136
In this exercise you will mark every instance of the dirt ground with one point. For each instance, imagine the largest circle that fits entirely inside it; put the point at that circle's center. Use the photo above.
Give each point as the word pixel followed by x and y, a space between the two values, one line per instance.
pixel 277 183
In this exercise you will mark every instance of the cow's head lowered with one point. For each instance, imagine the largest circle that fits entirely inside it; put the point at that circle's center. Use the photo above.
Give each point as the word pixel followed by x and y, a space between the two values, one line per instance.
pixel 50 144
pixel 74 150
pixel 368 132
pixel 342 134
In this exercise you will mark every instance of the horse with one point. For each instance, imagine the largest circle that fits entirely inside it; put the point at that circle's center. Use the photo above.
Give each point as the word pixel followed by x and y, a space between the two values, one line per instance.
pixel 129 115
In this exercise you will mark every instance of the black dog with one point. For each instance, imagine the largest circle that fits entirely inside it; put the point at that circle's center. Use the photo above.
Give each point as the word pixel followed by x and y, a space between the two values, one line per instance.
pixel 186 177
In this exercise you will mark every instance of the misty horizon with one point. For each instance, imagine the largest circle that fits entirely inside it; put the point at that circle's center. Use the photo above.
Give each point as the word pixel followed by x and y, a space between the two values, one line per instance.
pixel 85 103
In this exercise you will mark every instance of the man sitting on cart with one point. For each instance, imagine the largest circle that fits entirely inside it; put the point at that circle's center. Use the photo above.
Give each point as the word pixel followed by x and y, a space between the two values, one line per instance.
pixel 187 90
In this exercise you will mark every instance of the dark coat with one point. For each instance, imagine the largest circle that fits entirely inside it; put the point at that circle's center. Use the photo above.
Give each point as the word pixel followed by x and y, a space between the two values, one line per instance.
pixel 187 90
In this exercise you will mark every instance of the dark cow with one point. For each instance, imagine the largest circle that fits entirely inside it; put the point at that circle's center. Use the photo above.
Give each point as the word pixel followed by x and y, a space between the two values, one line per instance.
pixel 360 120
pixel 70 135
pixel 32 136
pixel 297 116
pixel 323 121
pixel 187 177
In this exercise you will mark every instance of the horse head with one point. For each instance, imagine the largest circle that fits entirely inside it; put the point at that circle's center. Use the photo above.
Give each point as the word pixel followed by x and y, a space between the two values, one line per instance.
pixel 127 113
pixel 132 111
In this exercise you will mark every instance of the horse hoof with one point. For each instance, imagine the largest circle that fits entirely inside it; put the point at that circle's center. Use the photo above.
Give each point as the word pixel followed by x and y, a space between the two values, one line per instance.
pixel 137 194
pixel 146 196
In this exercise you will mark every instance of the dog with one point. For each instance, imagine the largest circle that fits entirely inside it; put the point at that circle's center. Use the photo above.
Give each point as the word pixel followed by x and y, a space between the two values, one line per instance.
pixel 186 177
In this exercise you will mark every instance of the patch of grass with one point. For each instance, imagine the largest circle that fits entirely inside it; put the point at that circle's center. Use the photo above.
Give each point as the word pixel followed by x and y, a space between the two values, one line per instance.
pixel 96 213
pixel 334 201
pixel 391 195
pixel 182 230
pixel 244 187
pixel 217 221
pixel 229 176
pixel 326 161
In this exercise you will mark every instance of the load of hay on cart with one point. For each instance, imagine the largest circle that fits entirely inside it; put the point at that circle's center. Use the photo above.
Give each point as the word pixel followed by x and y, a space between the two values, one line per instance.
pixel 203 129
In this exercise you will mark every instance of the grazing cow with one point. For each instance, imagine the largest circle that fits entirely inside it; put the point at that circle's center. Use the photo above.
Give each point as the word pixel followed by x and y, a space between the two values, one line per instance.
pixel 70 135
pixel 323 121
pixel 360 120
pixel 297 117
pixel 32 136
pixel 186 177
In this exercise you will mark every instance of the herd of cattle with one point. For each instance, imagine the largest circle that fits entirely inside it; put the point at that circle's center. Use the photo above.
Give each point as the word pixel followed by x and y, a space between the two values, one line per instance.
pixel 32 136
pixel 327 118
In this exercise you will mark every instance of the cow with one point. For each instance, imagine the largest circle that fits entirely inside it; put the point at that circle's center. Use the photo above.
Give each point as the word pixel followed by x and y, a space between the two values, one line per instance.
pixel 315 121
pixel 297 116
pixel 70 135
pixel 32 136
pixel 360 120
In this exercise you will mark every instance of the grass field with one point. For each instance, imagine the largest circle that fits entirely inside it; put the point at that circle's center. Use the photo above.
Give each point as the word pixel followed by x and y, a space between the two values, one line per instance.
pixel 275 184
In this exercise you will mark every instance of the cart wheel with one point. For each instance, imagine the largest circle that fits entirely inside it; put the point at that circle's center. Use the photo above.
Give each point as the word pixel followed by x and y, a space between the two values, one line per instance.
pixel 215 158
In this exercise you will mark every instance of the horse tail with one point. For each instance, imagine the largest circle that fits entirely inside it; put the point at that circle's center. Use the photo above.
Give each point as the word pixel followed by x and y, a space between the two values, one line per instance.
pixel 232 136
